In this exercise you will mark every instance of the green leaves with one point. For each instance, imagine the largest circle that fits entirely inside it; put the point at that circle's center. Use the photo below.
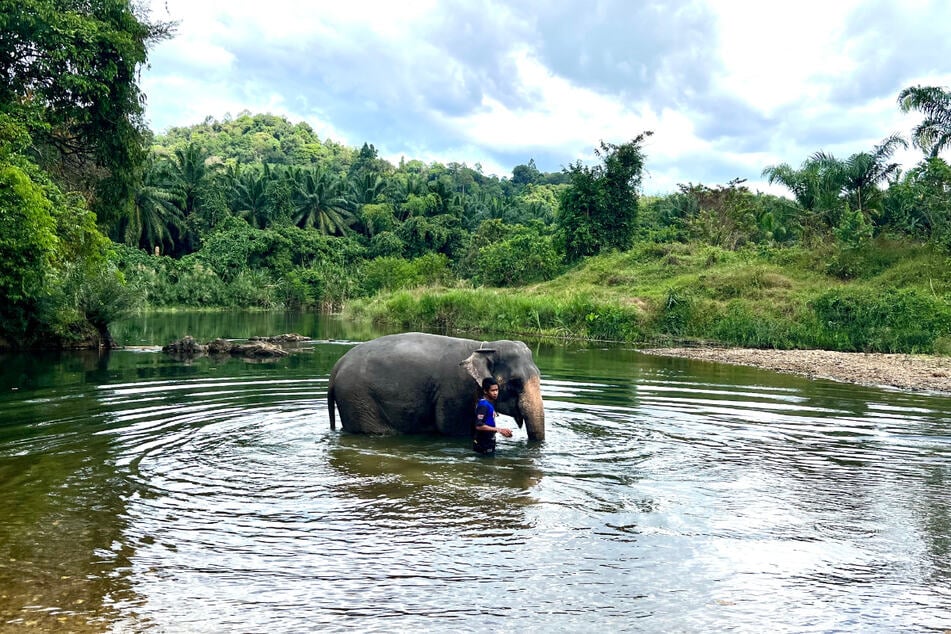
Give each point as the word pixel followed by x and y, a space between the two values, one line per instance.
pixel 933 134
pixel 599 208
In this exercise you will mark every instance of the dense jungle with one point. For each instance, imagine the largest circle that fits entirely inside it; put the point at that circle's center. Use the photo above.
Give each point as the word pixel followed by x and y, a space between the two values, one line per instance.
pixel 102 218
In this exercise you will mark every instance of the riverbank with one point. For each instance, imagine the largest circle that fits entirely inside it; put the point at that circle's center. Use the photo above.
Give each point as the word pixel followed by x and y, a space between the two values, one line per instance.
pixel 904 371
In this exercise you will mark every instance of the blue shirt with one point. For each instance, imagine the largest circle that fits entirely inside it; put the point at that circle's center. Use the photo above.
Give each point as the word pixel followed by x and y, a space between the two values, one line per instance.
pixel 484 441
pixel 485 413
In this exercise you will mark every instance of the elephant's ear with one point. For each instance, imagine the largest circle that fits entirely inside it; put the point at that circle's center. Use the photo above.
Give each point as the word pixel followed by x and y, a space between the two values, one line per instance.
pixel 479 364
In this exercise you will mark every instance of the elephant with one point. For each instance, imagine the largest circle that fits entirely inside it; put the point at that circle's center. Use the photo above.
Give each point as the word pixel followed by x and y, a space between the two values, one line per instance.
pixel 422 383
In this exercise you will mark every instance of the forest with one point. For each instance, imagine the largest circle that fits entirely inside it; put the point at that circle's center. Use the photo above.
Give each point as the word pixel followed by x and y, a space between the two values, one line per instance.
pixel 101 218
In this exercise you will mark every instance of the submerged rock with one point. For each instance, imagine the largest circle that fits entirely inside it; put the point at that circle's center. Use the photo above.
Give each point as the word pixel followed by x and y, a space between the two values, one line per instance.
pixel 285 338
pixel 186 346
pixel 256 348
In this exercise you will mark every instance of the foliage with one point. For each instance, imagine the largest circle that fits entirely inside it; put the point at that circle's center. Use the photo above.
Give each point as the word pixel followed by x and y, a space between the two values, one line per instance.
pixel 919 205
pixel 392 273
pixel 70 73
pixel 27 250
pixel 437 234
pixel 93 295
pixel 321 203
pixel 934 133
pixel 523 256
pixel 853 228
pixel 599 208
pixel 889 320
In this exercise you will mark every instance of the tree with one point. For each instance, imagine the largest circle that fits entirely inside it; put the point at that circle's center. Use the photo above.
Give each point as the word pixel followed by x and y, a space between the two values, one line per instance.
pixel 366 188
pixel 27 245
pixel 189 174
pixel 321 203
pixel 250 196
pixel 70 70
pixel 859 174
pixel 187 171
pixel 814 186
pixel 599 208
pixel 934 133
pixel 156 220
pixel 525 174
pixel 919 204
pixel 864 171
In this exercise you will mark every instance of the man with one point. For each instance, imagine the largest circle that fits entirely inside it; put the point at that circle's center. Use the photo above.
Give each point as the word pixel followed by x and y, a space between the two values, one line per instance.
pixel 483 440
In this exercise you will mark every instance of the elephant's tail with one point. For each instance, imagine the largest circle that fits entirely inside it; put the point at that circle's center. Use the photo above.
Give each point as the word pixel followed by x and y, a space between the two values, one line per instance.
pixel 330 406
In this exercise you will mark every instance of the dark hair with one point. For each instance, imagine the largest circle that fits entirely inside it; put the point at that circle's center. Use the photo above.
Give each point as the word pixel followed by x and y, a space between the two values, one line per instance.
pixel 487 383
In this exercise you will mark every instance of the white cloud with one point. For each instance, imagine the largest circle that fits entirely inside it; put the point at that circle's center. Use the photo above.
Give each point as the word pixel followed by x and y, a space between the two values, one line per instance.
pixel 727 87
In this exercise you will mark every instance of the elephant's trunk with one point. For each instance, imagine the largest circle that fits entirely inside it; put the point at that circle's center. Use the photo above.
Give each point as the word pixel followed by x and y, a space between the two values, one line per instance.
pixel 532 409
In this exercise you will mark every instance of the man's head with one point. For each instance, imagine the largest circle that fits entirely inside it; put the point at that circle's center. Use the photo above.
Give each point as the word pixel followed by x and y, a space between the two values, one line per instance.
pixel 490 388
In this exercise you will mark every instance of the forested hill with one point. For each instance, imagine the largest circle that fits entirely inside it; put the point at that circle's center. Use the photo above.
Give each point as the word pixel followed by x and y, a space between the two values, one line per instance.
pixel 101 218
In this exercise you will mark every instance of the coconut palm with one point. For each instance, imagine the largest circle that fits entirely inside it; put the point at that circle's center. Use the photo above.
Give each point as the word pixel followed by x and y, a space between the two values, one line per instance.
pixel 934 133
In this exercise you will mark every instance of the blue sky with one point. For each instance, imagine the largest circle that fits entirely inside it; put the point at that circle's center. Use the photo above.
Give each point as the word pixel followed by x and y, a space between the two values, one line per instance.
pixel 728 87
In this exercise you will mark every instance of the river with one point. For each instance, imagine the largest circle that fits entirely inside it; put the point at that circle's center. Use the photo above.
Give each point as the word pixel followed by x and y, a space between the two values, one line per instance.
pixel 140 493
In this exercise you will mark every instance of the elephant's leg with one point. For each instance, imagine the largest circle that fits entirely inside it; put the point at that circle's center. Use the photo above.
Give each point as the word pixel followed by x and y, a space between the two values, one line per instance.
pixel 364 416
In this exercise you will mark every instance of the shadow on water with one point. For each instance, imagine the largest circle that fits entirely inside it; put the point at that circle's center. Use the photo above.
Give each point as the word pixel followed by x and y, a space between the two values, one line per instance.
pixel 435 483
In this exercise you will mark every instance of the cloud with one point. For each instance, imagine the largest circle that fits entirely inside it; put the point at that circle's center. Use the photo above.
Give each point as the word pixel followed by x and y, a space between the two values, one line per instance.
pixel 728 88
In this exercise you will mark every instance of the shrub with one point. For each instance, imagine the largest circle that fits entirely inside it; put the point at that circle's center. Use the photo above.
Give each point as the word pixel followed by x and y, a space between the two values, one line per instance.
pixel 873 320
pixel 519 260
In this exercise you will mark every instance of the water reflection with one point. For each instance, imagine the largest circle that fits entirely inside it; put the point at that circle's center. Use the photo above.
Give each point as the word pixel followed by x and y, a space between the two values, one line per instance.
pixel 63 560
pixel 435 484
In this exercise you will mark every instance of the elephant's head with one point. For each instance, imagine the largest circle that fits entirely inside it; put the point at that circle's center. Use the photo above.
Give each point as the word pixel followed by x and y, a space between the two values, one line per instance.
pixel 520 395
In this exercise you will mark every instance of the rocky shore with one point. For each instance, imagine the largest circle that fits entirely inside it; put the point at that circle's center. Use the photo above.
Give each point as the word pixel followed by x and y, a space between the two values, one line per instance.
pixel 904 371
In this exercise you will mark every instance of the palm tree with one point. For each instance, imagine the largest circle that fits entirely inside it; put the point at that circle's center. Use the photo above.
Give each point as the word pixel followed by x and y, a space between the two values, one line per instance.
pixel 865 170
pixel 812 185
pixel 155 215
pixel 366 187
pixel 321 203
pixel 934 133
pixel 188 170
pixel 251 200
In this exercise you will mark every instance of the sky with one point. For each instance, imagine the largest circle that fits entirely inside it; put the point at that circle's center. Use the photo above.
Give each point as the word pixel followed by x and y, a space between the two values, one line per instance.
pixel 728 87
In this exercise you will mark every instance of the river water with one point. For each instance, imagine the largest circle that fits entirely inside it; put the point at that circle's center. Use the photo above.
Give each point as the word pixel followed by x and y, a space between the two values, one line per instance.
pixel 140 493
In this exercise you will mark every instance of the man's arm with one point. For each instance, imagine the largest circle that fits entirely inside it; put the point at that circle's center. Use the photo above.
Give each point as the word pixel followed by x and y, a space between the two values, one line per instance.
pixel 501 430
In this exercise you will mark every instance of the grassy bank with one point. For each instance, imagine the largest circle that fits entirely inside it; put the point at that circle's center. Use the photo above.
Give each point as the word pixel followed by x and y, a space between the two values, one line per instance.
pixel 884 297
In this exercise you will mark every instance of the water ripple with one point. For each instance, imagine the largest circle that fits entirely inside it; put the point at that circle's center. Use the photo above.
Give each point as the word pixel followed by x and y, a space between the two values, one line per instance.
pixel 661 500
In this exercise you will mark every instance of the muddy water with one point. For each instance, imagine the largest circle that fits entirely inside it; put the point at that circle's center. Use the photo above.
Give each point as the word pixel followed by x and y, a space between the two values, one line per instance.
pixel 141 493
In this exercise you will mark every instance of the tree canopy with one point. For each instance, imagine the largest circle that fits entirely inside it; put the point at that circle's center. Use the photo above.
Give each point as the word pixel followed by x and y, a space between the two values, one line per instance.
pixel 69 74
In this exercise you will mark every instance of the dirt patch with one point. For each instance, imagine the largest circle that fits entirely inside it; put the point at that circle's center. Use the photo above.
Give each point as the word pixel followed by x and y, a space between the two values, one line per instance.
pixel 905 371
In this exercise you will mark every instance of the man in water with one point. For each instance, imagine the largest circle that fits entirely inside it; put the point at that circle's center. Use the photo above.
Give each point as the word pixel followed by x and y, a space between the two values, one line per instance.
pixel 483 440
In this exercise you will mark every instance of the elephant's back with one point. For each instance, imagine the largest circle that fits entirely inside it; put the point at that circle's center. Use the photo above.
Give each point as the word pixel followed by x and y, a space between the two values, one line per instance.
pixel 412 348
pixel 407 361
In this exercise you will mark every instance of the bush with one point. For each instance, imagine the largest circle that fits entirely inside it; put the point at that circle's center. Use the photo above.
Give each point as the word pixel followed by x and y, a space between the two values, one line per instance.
pixel 742 325
pixel 880 321
pixel 522 259
pixel 676 315
pixel 396 273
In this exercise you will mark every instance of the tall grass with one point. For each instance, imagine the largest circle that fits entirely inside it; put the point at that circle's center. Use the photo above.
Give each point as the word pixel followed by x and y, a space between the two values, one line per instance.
pixel 763 298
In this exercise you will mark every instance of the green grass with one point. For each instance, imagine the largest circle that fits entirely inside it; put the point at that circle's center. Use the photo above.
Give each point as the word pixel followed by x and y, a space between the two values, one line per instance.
pixel 897 298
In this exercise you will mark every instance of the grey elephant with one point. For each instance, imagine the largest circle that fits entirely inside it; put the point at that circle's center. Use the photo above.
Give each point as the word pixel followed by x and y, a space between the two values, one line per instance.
pixel 418 383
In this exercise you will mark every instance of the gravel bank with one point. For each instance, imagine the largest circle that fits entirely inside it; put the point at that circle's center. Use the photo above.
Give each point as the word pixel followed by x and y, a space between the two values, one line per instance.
pixel 904 371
